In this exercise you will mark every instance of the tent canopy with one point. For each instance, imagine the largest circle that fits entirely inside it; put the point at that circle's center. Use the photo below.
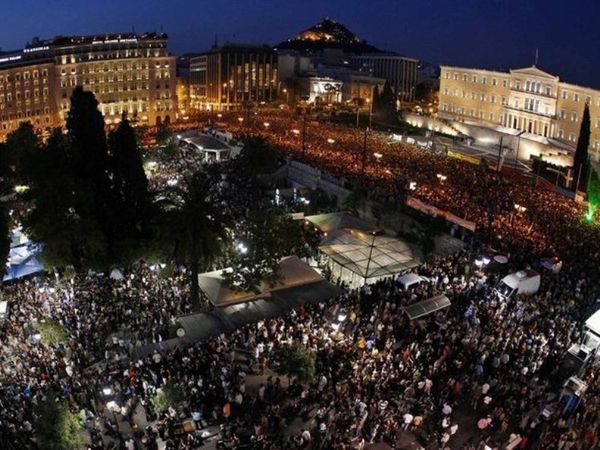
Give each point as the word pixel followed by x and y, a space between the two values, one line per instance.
pixel 339 220
pixel 408 279
pixel 294 272
pixel 593 323
pixel 426 307
pixel 369 255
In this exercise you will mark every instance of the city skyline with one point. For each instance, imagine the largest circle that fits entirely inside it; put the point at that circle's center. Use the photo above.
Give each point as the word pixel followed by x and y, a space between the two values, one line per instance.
pixel 438 33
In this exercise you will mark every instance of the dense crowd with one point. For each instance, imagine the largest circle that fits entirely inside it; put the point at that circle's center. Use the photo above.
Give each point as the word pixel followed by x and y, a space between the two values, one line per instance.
pixel 481 371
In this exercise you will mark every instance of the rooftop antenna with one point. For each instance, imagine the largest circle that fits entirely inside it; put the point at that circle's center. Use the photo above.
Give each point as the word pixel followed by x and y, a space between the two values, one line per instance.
pixel 536 56
pixel 216 43
pixel 133 29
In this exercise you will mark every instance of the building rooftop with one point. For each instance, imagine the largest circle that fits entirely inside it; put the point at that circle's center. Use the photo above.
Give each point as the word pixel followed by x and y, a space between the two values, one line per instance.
pixel 110 38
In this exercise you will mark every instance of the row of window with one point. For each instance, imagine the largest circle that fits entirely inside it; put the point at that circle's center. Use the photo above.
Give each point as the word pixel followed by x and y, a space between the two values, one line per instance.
pixel 26 75
pixel 475 79
pixel 26 95
pixel 94 56
pixel 481 96
pixel 530 86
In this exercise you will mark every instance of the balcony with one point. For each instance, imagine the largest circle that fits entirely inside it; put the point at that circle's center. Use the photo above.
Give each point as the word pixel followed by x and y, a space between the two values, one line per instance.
pixel 539 94
pixel 534 113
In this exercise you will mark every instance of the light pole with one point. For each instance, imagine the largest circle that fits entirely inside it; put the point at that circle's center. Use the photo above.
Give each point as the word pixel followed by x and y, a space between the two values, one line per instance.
pixel 304 134
pixel 364 154
pixel 518 145
pixel 374 234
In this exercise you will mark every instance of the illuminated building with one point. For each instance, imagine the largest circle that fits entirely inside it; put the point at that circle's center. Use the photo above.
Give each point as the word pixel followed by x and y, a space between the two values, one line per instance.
pixel 399 71
pixel 529 100
pixel 128 73
pixel 228 76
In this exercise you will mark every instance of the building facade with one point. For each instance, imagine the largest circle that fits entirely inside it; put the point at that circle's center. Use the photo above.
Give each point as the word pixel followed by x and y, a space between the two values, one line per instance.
pixel 528 100
pixel 128 73
pixel 231 75
pixel 399 71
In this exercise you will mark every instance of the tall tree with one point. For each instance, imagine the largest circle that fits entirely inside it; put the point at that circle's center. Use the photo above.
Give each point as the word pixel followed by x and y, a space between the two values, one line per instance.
pixel 18 153
pixel 581 163
pixel 94 205
pixel 130 192
pixel 4 238
pixel 69 237
pixel 194 223
pixel 87 139
pixel 386 105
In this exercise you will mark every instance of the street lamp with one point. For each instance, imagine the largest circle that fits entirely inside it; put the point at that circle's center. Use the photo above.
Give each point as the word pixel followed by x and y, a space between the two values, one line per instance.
pixel 240 120
pixel 412 186
pixel 441 177
pixel 242 248
pixel 377 155
pixel 520 208
pixel 331 141
pixel 266 124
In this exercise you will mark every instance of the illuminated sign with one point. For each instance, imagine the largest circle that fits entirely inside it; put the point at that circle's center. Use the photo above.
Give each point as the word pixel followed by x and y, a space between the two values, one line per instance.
pixel 115 41
pixel 36 49
pixel 10 58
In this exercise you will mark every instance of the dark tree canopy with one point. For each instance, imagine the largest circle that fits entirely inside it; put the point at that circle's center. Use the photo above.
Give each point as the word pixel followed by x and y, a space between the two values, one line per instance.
pixel 385 108
pixel 581 169
pixel 130 194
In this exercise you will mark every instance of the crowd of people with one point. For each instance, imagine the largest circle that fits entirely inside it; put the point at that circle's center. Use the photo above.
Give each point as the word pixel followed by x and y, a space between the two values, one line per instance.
pixel 479 373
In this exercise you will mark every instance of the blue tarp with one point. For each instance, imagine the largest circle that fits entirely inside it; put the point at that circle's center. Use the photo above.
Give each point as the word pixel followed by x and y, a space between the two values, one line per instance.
pixel 23 260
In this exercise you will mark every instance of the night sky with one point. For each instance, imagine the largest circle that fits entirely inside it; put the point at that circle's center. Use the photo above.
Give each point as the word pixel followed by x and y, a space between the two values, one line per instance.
pixel 495 34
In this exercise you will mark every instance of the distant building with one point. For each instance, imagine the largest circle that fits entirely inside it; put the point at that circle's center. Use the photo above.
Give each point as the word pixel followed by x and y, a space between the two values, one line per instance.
pixel 529 100
pixel 230 75
pixel 128 73
pixel 399 71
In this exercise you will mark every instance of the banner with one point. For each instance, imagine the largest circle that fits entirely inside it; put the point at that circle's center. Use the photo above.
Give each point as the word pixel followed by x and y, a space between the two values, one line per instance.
pixel 433 211
pixel 463 157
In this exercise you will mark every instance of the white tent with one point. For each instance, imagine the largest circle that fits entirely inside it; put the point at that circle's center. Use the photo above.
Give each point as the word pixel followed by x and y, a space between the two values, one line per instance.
pixel 116 274
pixel 408 279
pixel 593 323
pixel 357 257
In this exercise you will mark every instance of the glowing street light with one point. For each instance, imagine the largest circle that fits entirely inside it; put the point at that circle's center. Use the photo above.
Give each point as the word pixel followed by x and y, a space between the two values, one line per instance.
pixel 412 186
pixel 441 177
pixel 296 132
pixel 240 119
pixel 520 208
pixel 242 248
pixel 266 124
pixel 378 155
pixel 219 115
pixel 331 141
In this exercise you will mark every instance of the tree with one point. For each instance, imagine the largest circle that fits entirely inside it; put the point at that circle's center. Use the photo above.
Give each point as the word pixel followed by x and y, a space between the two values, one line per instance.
pixel 87 139
pixel 296 361
pixel 21 147
pixel 130 191
pixel 93 204
pixel 258 157
pixel 194 222
pixel 164 135
pixel 51 332
pixel 70 236
pixel 581 168
pixel 263 238
pixel 168 396
pixel 56 428
pixel 385 109
pixel 4 238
